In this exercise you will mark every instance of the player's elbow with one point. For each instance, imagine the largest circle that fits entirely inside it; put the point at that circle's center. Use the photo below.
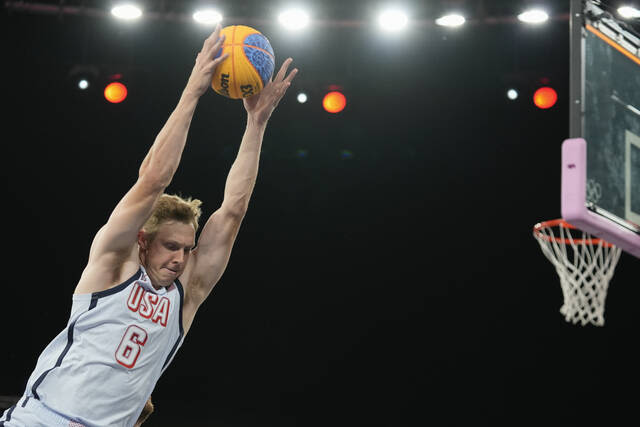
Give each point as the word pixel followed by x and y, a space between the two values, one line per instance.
pixel 156 173
pixel 155 176
pixel 155 180
pixel 236 206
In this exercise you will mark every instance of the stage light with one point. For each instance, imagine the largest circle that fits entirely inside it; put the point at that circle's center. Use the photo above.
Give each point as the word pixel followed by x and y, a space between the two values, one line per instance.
pixel 452 20
pixel 533 16
pixel 115 92
pixel 83 76
pixel 294 19
pixel 302 97
pixel 392 20
pixel 207 16
pixel 346 154
pixel 545 97
pixel 127 11
pixel 334 102
pixel 629 12
pixel 512 94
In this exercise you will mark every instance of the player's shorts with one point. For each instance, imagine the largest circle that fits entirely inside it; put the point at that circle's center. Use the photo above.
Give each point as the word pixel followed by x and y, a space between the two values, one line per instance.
pixel 30 412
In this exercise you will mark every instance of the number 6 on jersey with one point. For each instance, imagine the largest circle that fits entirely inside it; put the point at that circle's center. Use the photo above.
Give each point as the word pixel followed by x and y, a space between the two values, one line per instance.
pixel 130 346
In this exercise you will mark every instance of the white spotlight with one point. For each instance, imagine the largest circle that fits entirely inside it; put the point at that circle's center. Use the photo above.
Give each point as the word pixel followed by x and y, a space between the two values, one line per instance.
pixel 302 97
pixel 127 11
pixel 452 20
pixel 83 84
pixel 534 16
pixel 393 20
pixel 294 19
pixel 512 94
pixel 629 12
pixel 207 16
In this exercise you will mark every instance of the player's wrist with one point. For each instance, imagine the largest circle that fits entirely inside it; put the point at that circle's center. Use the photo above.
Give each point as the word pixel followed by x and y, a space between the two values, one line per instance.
pixel 191 93
pixel 254 121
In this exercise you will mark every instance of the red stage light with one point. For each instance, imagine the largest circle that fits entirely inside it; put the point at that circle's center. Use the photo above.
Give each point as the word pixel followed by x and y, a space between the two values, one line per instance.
pixel 115 92
pixel 545 97
pixel 334 102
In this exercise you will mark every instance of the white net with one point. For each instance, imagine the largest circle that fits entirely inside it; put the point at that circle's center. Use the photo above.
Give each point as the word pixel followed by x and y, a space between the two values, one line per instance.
pixel 585 265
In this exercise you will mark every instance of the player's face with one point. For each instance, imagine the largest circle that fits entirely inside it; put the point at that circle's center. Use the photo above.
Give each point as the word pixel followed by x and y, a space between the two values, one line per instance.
pixel 167 254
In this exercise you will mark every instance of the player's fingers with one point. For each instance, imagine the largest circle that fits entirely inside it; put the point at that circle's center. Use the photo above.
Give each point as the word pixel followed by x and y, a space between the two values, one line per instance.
pixel 284 88
pixel 199 61
pixel 215 35
pixel 291 75
pixel 210 52
pixel 217 45
pixel 213 38
pixel 283 70
pixel 280 91
pixel 220 59
pixel 216 61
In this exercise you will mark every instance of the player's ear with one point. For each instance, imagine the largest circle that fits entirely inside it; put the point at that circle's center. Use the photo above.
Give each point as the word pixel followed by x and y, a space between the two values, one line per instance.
pixel 142 240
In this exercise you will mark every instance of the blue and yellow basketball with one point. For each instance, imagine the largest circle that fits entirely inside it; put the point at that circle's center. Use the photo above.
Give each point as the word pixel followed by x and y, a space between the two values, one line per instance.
pixel 249 66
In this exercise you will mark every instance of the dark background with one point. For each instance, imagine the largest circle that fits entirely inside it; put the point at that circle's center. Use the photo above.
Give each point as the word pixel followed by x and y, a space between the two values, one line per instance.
pixel 385 274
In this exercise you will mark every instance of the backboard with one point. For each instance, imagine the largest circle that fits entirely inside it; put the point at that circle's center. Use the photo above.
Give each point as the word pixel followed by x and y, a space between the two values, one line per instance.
pixel 601 159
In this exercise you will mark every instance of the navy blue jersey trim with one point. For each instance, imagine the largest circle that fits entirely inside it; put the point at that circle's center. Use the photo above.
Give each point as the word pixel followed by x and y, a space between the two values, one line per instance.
pixel 175 346
pixel 58 362
pixel 181 292
pixel 8 415
pixel 94 302
pixel 101 294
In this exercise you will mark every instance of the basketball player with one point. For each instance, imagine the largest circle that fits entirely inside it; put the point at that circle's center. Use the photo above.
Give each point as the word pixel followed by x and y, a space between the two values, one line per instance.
pixel 145 280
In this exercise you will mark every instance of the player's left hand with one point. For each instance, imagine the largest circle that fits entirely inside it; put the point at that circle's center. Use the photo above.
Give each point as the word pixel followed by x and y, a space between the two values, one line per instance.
pixel 260 106
pixel 206 63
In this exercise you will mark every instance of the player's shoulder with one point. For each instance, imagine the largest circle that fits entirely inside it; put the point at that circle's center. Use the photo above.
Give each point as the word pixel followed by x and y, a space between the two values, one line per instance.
pixel 107 271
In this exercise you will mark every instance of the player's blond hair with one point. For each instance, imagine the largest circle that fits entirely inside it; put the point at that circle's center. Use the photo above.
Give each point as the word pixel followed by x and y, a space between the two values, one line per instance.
pixel 171 207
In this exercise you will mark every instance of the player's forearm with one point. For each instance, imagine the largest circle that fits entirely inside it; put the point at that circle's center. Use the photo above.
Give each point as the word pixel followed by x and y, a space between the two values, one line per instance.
pixel 242 176
pixel 163 158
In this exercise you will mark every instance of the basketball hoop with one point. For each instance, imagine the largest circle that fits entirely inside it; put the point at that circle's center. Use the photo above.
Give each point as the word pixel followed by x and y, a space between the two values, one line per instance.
pixel 585 265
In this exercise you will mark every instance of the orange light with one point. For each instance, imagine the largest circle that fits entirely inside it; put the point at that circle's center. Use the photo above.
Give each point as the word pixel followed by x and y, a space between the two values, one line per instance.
pixel 115 92
pixel 545 97
pixel 334 102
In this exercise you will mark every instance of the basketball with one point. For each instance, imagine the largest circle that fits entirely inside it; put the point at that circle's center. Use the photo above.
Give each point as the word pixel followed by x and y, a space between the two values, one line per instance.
pixel 249 66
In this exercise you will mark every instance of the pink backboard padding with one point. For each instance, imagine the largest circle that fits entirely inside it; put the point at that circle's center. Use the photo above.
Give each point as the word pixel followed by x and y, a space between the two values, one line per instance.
pixel 574 193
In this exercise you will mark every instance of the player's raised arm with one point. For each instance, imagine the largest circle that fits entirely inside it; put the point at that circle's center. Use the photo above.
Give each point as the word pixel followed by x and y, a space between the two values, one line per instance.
pixel 114 242
pixel 210 258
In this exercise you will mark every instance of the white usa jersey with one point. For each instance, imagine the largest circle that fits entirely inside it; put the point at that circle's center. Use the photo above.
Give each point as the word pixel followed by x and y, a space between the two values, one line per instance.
pixel 103 367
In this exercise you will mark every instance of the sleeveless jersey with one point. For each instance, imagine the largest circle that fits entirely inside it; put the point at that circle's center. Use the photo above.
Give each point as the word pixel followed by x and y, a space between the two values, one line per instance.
pixel 103 367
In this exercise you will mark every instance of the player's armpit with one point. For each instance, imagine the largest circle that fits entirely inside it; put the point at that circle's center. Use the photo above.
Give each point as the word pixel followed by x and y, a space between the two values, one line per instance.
pixel 121 230
pixel 210 258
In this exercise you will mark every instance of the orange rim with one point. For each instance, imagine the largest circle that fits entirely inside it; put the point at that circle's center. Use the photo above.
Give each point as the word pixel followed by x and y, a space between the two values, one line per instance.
pixel 562 223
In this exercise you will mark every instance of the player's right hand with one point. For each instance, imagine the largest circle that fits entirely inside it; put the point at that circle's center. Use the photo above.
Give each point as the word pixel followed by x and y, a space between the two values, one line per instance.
pixel 206 63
